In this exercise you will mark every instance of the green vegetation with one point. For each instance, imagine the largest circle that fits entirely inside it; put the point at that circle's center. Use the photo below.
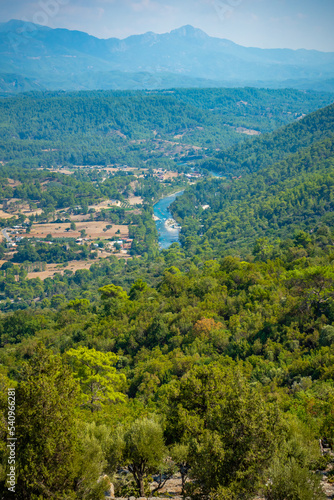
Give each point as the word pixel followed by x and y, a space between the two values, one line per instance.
pixel 277 200
pixel 213 358
pixel 232 359
pixel 100 128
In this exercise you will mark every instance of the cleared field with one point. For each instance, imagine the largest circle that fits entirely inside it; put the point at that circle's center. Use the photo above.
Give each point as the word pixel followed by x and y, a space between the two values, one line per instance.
pixel 105 204
pixel 247 131
pixel 5 215
pixel 52 269
pixel 166 174
pixel 94 230
pixel 13 183
pixel 135 200
pixel 73 265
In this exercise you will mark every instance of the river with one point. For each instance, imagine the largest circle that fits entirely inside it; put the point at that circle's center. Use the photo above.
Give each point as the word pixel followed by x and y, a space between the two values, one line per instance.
pixel 167 235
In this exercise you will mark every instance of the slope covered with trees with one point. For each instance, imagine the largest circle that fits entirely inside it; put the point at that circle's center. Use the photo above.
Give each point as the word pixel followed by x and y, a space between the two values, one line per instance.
pixel 279 198
pixel 225 367
pixel 271 148
pixel 89 128
pixel 191 360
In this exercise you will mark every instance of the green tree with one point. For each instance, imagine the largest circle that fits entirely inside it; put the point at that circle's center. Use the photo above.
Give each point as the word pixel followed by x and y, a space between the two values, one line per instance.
pixel 137 289
pixel 291 481
pixel 97 375
pixel 46 428
pixel 93 447
pixel 144 450
pixel 114 299
pixel 57 300
pixel 230 430
pixel 112 292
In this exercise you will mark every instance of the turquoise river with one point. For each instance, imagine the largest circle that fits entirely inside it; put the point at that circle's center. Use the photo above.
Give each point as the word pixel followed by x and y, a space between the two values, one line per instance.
pixel 167 235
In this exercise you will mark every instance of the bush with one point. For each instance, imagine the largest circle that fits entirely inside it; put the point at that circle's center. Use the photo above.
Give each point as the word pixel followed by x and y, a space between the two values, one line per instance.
pixel 327 335
pixel 290 481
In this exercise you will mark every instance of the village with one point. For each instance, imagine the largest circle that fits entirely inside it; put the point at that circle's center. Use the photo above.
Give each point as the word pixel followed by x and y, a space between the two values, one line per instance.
pixel 23 220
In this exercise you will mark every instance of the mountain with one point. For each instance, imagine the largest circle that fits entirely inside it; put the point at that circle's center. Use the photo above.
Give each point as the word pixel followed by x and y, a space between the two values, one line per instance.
pixel 64 59
pixel 10 83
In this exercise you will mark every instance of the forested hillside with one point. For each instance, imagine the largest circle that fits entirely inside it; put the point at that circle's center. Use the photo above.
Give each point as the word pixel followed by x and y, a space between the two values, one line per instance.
pixel 262 109
pixel 210 362
pixel 89 128
pixel 270 148
pixel 225 367
pixel 274 201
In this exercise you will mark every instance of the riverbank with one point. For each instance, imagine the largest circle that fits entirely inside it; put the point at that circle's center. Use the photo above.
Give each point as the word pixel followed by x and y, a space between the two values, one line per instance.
pixel 167 234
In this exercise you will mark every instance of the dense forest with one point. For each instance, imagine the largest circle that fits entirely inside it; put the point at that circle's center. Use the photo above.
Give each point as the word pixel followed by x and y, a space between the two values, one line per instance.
pixel 277 199
pixel 89 128
pixel 210 361
pixel 224 366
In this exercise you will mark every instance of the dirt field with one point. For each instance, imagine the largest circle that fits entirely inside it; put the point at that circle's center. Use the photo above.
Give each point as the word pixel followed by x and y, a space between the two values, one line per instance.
pixel 247 131
pixel 13 183
pixel 105 204
pixel 15 206
pixel 94 230
pixel 73 265
pixel 166 174
pixel 135 200
pixel 61 171
pixel 5 215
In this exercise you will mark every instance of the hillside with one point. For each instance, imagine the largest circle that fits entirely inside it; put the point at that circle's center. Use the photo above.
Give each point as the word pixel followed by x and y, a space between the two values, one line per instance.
pixel 276 199
pixel 216 351
pixel 270 148
pixel 209 364
pixel 63 59
pixel 11 83
pixel 89 128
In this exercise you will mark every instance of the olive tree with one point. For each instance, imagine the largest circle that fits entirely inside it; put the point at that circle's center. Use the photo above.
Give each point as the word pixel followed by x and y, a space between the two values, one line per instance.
pixel 144 450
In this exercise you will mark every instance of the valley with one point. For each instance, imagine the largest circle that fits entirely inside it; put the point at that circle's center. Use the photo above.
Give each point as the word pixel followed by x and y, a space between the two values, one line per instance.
pixel 167 293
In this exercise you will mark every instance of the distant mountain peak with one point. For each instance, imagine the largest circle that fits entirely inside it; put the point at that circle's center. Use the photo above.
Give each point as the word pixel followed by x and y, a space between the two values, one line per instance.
pixel 54 57
pixel 189 31
pixel 18 26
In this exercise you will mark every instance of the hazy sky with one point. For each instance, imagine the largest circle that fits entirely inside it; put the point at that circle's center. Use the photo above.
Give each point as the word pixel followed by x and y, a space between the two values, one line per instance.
pixel 258 23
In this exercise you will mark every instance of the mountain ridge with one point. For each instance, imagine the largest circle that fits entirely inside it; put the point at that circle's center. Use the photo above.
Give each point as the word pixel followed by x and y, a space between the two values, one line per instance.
pixel 42 54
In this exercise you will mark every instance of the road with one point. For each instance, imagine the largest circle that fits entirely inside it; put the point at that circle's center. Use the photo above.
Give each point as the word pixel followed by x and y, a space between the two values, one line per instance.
pixel 6 236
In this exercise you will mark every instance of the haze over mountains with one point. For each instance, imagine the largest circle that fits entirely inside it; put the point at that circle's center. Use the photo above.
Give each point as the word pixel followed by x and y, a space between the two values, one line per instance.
pixel 34 57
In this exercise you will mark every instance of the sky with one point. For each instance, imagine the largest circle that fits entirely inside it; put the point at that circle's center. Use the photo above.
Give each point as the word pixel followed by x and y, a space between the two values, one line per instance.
pixel 291 24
